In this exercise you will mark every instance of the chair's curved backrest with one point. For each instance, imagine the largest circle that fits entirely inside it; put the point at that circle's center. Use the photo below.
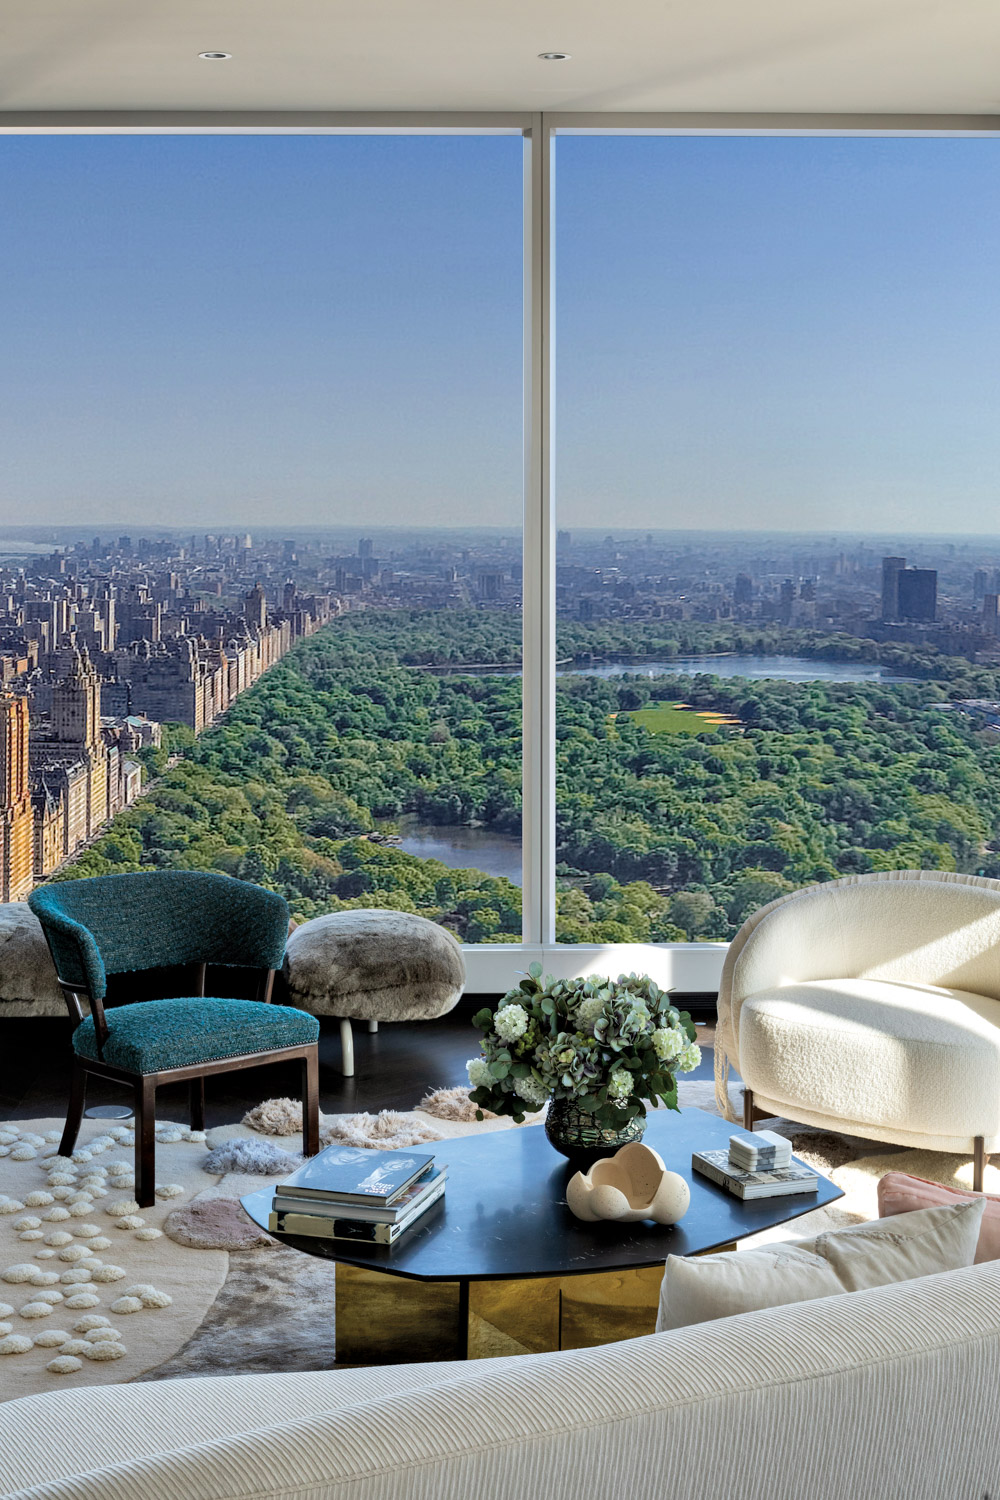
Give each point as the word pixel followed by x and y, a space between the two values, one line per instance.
pixel 902 926
pixel 114 924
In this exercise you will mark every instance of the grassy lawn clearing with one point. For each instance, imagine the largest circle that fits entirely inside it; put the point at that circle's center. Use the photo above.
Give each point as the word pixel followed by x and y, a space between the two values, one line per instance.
pixel 677 718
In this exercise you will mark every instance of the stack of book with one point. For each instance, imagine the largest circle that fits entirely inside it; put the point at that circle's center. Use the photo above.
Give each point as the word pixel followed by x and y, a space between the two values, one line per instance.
pixel 756 1166
pixel 347 1194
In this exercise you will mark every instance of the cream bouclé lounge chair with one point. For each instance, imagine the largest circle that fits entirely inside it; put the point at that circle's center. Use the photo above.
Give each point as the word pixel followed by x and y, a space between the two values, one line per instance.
pixel 871 1005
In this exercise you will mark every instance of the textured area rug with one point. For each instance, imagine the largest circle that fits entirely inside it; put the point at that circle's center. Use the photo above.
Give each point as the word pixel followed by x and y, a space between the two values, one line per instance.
pixel 268 1308
pixel 61 1246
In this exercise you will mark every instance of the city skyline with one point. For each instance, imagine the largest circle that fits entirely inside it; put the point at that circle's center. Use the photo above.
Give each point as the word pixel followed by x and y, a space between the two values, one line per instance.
pixel 795 329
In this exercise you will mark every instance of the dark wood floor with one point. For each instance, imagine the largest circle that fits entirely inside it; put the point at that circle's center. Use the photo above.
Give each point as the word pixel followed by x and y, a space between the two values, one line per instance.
pixel 394 1069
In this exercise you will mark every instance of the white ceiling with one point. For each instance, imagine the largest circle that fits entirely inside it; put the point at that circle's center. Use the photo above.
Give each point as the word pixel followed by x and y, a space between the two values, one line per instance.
pixel 884 56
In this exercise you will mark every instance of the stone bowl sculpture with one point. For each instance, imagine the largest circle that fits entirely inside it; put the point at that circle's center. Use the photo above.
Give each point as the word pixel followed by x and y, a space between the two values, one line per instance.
pixel 633 1184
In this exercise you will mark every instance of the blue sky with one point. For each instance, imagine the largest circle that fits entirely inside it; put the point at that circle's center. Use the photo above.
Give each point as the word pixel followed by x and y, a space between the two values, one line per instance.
pixel 210 331
pixel 786 333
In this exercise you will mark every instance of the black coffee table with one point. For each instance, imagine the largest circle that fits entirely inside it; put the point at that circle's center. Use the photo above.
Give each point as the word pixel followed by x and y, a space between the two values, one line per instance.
pixel 501 1266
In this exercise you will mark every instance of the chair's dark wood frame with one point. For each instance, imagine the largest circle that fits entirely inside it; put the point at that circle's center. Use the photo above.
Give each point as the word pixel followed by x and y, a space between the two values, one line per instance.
pixel 144 1085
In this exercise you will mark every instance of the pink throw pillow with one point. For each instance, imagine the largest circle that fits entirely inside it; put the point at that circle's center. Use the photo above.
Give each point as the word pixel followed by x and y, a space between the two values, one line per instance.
pixel 900 1194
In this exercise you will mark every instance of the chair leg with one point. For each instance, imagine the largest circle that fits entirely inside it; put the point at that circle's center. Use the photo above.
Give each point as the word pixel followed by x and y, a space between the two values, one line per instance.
pixel 145 1141
pixel 747 1109
pixel 310 1102
pixel 196 1098
pixel 346 1049
pixel 979 1161
pixel 373 1026
pixel 74 1109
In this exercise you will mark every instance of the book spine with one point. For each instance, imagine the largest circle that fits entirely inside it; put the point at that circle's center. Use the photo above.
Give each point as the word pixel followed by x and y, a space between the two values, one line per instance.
pixel 312 1227
pixel 777 1189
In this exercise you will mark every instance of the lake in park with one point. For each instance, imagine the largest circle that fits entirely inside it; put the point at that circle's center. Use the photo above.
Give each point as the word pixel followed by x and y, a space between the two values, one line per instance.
pixel 462 848
pixel 496 854
pixel 754 668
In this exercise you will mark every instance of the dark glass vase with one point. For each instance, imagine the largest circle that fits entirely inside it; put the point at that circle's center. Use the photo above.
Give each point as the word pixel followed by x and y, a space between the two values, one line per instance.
pixel 578 1136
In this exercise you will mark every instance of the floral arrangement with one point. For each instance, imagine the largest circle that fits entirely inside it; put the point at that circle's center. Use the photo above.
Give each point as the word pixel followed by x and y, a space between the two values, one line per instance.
pixel 609 1045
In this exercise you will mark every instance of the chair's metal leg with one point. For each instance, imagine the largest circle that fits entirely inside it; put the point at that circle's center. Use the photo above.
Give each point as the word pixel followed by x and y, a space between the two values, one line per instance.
pixel 310 1102
pixel 979 1161
pixel 346 1049
pixel 145 1140
pixel 196 1096
pixel 74 1109
pixel 373 1026
pixel 748 1109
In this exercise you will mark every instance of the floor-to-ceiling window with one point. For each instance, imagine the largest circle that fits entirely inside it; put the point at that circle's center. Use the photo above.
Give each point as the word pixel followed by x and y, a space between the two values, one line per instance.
pixel 261 475
pixel 261 491
pixel 778 563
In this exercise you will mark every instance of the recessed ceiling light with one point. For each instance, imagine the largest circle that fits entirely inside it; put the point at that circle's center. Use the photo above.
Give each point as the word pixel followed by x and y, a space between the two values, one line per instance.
pixel 214 56
pixel 554 56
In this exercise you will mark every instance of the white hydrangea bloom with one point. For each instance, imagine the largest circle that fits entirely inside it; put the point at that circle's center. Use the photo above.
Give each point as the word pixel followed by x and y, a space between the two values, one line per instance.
pixel 531 1091
pixel 620 1085
pixel 479 1073
pixel 689 1059
pixel 667 1043
pixel 510 1022
pixel 587 1013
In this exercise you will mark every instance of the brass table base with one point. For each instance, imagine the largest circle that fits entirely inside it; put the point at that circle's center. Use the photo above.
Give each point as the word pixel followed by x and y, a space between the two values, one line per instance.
pixel 398 1320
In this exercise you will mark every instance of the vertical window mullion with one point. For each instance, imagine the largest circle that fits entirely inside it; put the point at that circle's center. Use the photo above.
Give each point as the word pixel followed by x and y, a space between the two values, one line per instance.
pixel 539 650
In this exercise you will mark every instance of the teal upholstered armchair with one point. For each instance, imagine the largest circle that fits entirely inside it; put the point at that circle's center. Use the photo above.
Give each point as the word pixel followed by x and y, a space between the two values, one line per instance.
pixel 124 924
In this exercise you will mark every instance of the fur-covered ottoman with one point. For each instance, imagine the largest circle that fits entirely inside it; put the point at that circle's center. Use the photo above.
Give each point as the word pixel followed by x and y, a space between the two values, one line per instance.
pixel 373 966
pixel 28 984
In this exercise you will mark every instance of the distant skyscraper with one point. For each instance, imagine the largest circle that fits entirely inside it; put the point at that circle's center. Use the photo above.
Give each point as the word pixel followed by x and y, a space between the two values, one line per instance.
pixel 980 585
pixel 991 615
pixel 564 539
pixel 366 547
pixel 787 600
pixel 917 590
pixel 891 569
pixel 743 590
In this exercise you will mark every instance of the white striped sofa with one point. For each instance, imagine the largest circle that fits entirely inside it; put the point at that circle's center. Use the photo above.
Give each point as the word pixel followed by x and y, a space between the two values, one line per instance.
pixel 890 1392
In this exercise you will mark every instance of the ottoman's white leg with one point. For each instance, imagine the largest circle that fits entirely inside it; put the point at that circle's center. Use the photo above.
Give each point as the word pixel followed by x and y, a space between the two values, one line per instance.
pixel 346 1049
pixel 373 1026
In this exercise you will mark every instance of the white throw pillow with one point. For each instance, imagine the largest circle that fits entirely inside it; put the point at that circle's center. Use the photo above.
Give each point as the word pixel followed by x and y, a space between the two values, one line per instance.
pixel 699 1288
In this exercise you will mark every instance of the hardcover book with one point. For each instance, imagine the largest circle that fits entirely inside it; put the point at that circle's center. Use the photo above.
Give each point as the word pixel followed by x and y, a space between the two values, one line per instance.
pixel 375 1212
pixel 356 1176
pixel 795 1178
pixel 365 1231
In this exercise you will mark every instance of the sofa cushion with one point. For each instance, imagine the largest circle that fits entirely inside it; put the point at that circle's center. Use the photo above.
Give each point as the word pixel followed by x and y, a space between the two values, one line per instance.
pixel 699 1288
pixel 371 965
pixel 895 1056
pixel 154 1035
pixel 899 1193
